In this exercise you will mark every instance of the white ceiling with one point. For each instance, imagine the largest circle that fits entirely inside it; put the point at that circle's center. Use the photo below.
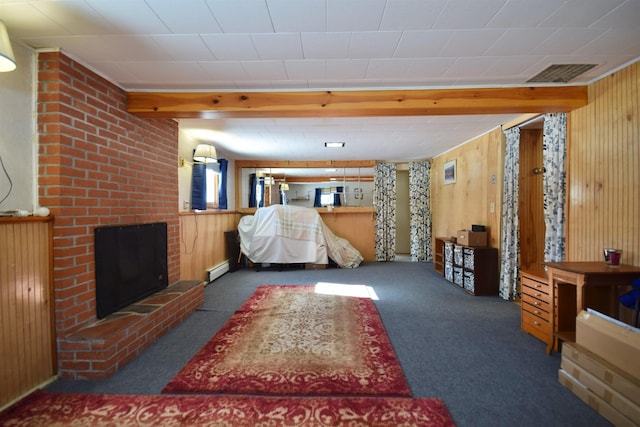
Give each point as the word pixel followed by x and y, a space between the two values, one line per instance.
pixel 262 45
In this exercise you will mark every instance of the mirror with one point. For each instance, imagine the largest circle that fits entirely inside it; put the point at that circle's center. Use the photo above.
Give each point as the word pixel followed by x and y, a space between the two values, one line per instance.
pixel 306 186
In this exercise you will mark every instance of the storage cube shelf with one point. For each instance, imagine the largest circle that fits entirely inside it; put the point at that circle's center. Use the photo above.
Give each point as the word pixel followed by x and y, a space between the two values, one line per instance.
pixel 473 268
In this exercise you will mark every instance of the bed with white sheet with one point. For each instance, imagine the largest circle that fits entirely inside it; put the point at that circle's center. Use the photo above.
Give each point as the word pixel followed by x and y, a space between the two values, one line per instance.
pixel 285 234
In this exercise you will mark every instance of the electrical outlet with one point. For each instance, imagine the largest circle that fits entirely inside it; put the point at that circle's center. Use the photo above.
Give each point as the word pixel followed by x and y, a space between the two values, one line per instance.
pixel 185 205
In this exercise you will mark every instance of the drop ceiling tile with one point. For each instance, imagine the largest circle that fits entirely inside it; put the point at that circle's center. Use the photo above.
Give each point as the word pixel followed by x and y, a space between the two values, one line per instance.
pixel 325 45
pixel 224 70
pixel 183 47
pixel 129 16
pixel 577 13
pixel 470 42
pixel 264 70
pixel 306 69
pixel 253 18
pixel 185 16
pixel 105 48
pixel 231 47
pixel 354 15
pixel 387 68
pixel 422 44
pixel 411 14
pixel 614 41
pixel 523 13
pixel 295 16
pixel 517 41
pixel 514 66
pixel 470 69
pixel 25 20
pixel 374 44
pixel 566 41
pixel 346 68
pixel 75 16
pixel 627 15
pixel 164 72
pixel 278 46
pixel 429 69
pixel 465 14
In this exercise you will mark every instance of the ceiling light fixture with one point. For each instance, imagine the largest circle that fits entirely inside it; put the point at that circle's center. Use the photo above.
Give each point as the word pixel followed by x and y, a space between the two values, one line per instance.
pixel 334 144
pixel 7 59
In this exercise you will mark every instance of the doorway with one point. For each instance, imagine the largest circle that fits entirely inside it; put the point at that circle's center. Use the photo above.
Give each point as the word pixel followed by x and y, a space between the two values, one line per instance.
pixel 403 217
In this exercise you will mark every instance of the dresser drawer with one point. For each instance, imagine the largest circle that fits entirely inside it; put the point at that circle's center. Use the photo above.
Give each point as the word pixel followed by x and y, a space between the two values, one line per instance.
pixel 536 310
pixel 535 287
pixel 541 304
pixel 536 326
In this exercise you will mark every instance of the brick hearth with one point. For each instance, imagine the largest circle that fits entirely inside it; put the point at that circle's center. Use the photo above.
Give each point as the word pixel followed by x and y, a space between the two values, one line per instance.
pixel 100 349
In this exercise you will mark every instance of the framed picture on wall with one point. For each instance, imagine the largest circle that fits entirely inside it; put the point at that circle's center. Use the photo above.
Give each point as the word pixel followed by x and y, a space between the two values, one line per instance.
pixel 450 172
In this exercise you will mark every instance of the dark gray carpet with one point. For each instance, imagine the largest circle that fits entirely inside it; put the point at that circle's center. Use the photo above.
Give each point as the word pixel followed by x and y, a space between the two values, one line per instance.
pixel 468 351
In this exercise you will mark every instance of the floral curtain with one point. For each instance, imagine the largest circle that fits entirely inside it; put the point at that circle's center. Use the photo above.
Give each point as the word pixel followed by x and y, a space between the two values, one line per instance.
pixel 510 267
pixel 384 202
pixel 554 153
pixel 420 210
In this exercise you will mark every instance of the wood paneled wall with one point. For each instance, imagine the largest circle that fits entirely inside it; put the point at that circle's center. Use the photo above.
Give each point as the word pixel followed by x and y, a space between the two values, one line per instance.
pixel 476 196
pixel 26 324
pixel 359 228
pixel 604 170
pixel 532 228
pixel 202 243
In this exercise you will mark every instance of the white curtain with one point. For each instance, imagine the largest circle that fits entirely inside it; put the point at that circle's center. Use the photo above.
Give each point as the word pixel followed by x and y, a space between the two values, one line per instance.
pixel 384 201
pixel 420 210
pixel 554 153
pixel 510 267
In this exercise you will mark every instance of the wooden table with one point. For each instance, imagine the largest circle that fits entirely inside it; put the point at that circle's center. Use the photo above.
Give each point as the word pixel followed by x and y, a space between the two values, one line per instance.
pixel 569 282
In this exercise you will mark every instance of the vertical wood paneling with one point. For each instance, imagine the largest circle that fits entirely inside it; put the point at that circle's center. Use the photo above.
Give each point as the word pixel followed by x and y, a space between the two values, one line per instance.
pixel 26 324
pixel 603 171
pixel 357 228
pixel 532 227
pixel 468 201
pixel 202 243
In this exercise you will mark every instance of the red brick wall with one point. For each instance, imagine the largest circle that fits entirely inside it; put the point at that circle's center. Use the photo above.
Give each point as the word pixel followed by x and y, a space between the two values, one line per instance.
pixel 98 165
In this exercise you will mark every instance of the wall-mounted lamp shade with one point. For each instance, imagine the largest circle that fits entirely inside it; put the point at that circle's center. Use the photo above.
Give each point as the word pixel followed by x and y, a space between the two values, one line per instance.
pixel 7 60
pixel 205 153
pixel 284 187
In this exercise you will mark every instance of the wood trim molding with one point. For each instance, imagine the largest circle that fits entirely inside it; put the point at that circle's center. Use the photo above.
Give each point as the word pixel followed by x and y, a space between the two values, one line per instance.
pixel 369 103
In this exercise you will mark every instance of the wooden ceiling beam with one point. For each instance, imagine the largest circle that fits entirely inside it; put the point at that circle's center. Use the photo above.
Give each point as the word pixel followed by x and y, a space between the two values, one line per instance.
pixel 367 103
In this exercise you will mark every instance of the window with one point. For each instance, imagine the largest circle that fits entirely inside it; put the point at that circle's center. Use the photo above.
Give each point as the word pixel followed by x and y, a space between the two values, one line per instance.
pixel 326 199
pixel 213 186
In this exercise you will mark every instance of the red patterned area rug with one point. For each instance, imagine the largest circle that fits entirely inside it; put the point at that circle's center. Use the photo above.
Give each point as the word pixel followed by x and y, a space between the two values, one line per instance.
pixel 61 409
pixel 292 340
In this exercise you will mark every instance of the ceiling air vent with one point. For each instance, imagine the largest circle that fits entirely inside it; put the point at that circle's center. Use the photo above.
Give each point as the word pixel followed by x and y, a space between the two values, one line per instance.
pixel 560 73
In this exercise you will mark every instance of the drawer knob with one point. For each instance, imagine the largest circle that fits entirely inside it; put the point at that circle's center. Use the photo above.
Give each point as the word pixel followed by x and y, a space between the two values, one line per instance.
pixel 536 312
pixel 536 323
pixel 538 295
pixel 536 303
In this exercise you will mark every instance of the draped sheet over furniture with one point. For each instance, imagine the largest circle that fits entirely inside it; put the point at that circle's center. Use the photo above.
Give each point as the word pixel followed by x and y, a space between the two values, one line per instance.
pixel 285 234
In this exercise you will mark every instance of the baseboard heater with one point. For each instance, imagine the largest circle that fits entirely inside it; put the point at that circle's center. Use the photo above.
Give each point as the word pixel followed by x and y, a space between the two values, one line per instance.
pixel 214 272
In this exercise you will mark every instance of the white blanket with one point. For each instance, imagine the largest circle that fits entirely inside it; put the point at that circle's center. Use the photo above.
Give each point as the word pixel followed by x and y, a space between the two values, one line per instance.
pixel 292 234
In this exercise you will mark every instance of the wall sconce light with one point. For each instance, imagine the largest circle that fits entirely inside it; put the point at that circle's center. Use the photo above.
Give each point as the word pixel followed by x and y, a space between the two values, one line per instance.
pixel 7 59
pixel 205 153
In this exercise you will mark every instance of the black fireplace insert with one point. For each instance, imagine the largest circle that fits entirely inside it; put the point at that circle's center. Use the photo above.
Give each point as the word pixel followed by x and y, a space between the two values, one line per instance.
pixel 131 264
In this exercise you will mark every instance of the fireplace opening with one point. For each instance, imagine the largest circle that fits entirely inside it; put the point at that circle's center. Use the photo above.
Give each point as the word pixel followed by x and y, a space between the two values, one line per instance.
pixel 131 264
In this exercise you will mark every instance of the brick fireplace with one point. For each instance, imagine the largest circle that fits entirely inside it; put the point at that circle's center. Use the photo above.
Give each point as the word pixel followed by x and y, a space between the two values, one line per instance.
pixel 99 165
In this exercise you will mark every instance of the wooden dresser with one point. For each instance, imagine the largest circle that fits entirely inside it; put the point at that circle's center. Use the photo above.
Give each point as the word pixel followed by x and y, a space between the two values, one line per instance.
pixel 537 307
